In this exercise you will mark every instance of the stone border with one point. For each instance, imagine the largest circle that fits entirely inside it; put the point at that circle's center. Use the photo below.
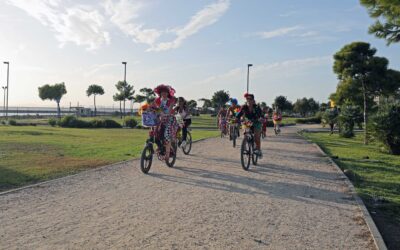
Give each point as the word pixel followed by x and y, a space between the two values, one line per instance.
pixel 376 235
pixel 80 172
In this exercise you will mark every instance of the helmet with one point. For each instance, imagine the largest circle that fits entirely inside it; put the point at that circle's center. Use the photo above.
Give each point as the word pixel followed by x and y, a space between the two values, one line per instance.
pixel 234 101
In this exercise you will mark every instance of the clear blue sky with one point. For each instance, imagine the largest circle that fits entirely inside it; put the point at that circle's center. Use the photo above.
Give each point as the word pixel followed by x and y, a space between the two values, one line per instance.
pixel 198 46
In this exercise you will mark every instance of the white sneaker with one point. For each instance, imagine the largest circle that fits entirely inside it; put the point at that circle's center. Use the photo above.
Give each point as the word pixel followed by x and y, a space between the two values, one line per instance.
pixel 183 144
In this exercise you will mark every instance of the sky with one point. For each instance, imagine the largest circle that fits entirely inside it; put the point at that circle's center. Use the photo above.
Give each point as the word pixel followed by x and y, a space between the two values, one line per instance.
pixel 197 46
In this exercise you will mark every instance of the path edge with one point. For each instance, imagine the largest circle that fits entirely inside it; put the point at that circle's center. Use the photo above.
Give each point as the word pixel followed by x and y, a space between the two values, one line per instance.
pixel 376 235
pixel 80 172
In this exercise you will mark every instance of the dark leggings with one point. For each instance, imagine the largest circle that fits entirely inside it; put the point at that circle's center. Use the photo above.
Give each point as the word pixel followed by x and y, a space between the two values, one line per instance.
pixel 185 128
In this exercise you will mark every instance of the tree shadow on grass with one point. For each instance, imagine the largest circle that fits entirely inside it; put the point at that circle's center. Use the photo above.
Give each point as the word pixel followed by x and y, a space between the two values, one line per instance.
pixel 10 179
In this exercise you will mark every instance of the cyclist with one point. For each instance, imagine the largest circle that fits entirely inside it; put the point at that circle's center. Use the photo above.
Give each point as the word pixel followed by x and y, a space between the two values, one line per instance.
pixel 165 102
pixel 183 110
pixel 233 109
pixel 253 113
pixel 277 118
pixel 265 121
pixel 222 119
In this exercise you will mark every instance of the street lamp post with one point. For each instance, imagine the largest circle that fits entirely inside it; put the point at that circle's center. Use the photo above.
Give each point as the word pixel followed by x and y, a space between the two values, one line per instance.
pixel 8 88
pixel 124 63
pixel 4 101
pixel 248 75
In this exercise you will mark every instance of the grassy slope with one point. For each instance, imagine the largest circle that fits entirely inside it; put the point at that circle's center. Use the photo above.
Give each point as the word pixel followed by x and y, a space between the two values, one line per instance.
pixel 377 177
pixel 33 154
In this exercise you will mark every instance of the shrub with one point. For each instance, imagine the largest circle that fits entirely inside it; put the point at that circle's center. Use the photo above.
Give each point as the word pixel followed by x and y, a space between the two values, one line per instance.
pixel 330 116
pixel 52 122
pixel 12 122
pixel 385 127
pixel 3 122
pixel 111 124
pixel 96 123
pixel 310 120
pixel 349 116
pixel 71 121
pixel 130 122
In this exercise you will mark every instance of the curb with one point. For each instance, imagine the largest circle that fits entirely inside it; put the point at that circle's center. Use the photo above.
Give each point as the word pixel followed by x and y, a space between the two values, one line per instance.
pixel 80 172
pixel 376 235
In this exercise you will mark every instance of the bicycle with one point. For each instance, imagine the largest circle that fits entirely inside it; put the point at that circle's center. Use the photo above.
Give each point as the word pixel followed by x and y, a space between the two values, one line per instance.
pixel 277 128
pixel 222 128
pixel 188 147
pixel 247 150
pixel 152 120
pixel 233 131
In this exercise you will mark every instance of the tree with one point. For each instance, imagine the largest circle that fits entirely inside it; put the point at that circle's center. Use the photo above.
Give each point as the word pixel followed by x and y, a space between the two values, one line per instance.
pixel 192 104
pixel 95 90
pixel 220 98
pixel 263 105
pixel 125 91
pixel 147 94
pixel 360 71
pixel 283 104
pixel 118 98
pixel 387 11
pixel 206 103
pixel 53 92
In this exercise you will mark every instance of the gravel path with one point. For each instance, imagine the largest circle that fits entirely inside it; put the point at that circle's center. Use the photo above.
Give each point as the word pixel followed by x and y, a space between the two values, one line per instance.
pixel 294 199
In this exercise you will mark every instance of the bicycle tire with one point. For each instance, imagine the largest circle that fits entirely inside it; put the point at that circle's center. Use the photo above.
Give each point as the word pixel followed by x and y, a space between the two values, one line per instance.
pixel 245 153
pixel 186 150
pixel 146 159
pixel 172 159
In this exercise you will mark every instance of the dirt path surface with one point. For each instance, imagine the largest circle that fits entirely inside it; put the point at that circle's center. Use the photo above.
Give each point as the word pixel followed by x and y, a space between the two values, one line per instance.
pixel 294 199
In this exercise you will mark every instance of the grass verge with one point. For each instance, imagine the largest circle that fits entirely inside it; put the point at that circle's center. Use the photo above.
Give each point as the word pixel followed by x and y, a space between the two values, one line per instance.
pixel 375 175
pixel 33 154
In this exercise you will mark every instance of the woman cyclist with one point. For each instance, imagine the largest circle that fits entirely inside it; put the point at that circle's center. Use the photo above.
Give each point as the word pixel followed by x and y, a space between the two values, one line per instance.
pixel 233 109
pixel 277 118
pixel 165 102
pixel 265 121
pixel 222 119
pixel 183 110
pixel 253 113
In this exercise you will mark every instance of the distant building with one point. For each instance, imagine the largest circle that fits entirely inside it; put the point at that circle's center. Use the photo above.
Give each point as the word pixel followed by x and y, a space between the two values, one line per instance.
pixel 82 111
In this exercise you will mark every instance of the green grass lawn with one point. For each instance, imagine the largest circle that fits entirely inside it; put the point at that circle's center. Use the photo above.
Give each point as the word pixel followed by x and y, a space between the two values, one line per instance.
pixel 377 178
pixel 203 121
pixel 33 154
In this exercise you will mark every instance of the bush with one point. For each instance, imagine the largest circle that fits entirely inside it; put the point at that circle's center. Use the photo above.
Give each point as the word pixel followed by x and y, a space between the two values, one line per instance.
pixel 71 121
pixel 130 122
pixel 111 124
pixel 96 123
pixel 330 116
pixel 52 122
pixel 310 120
pixel 3 122
pixel 385 127
pixel 349 116
pixel 12 122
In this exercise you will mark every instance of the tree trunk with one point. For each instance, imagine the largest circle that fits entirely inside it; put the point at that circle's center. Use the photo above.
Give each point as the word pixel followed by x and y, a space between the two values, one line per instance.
pixel 58 110
pixel 95 109
pixel 365 114
pixel 120 109
pixel 124 108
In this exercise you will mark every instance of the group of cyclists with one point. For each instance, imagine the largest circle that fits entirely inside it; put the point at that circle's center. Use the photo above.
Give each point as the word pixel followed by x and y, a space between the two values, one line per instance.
pixel 251 111
pixel 168 107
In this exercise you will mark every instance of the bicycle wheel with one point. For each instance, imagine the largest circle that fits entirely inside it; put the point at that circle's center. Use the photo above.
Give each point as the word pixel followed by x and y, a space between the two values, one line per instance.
pixel 186 149
pixel 146 159
pixel 172 157
pixel 245 154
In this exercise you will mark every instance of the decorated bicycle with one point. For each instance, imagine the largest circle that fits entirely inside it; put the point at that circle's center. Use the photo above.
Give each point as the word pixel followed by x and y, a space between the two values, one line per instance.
pixel 159 116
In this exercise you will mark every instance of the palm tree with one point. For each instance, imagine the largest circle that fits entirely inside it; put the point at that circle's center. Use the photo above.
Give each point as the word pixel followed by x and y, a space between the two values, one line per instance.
pixel 95 90
pixel 118 98
pixel 125 91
